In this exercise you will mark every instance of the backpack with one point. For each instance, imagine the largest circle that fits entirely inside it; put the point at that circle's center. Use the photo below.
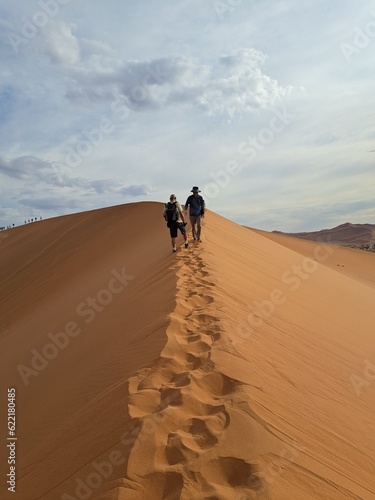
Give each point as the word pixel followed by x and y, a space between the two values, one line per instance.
pixel 171 212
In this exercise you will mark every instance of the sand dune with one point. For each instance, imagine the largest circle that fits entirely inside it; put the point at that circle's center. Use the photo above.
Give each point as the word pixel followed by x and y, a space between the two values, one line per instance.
pixel 241 368
pixel 345 234
pixel 351 262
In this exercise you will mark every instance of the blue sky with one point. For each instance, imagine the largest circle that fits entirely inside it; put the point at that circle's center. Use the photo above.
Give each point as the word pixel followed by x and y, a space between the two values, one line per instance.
pixel 266 105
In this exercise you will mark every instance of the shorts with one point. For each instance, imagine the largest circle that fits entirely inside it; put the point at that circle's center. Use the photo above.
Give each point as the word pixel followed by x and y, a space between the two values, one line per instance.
pixel 174 227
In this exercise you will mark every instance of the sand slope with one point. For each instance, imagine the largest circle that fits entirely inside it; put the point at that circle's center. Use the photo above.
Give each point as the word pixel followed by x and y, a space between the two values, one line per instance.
pixel 354 263
pixel 345 234
pixel 237 369
pixel 61 271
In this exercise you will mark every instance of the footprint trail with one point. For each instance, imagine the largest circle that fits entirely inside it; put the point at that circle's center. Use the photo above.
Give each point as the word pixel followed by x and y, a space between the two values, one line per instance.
pixel 184 396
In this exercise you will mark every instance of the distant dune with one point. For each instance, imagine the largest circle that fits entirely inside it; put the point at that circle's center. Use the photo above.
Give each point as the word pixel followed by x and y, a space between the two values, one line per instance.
pixel 346 234
pixel 241 368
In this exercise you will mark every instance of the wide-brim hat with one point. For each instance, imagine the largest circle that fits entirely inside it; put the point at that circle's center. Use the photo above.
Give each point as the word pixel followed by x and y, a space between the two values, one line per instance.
pixel 195 190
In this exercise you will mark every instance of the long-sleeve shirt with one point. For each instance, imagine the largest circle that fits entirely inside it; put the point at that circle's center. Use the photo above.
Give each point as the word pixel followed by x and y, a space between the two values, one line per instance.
pixel 196 204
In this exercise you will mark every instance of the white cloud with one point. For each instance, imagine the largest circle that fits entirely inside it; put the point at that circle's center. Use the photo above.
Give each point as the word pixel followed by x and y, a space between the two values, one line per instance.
pixel 57 41
pixel 135 190
pixel 237 85
pixel 36 171
pixel 231 85
pixel 24 167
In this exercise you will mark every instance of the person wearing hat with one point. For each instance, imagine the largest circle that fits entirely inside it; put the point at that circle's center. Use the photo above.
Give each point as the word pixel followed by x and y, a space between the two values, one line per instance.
pixel 196 205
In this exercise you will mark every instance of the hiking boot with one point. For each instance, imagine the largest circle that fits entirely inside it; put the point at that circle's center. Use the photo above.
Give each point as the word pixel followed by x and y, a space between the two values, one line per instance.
pixel 174 250
pixel 186 244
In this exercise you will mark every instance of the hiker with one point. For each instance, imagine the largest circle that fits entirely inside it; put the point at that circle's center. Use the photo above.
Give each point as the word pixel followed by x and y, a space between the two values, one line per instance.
pixel 196 213
pixel 175 220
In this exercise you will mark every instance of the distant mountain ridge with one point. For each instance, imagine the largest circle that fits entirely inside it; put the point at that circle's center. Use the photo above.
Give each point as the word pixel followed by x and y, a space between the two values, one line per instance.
pixel 347 234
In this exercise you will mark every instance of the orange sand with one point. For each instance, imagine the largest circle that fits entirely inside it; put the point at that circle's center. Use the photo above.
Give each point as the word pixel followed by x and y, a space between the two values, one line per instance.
pixel 241 368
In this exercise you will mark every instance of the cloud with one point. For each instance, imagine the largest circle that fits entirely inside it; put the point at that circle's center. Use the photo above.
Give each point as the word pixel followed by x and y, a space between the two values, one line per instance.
pixel 136 190
pixel 58 42
pixel 237 85
pixel 95 46
pixel 24 167
pixel 59 204
pixel 231 85
pixel 37 171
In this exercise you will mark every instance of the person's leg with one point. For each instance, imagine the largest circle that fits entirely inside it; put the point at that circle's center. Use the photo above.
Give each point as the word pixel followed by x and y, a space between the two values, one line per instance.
pixel 199 227
pixel 173 232
pixel 184 234
pixel 193 220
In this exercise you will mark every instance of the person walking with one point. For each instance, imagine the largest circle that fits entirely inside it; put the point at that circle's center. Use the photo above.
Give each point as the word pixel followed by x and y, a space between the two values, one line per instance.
pixel 175 221
pixel 196 205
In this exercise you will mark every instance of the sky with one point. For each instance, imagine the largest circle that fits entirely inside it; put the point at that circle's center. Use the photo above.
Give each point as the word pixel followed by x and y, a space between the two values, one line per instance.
pixel 266 105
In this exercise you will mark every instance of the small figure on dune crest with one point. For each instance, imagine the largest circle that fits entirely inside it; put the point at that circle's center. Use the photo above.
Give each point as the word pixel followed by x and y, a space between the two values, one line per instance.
pixel 175 220
pixel 196 205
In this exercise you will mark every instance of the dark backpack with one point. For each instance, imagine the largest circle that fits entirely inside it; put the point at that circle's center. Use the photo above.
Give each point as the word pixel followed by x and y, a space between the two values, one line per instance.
pixel 171 212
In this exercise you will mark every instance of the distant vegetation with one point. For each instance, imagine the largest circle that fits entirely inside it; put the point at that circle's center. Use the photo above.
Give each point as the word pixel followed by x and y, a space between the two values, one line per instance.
pixel 366 247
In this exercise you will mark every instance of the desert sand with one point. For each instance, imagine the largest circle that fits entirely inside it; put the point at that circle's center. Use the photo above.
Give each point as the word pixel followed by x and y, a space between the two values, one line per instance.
pixel 241 368
pixel 346 234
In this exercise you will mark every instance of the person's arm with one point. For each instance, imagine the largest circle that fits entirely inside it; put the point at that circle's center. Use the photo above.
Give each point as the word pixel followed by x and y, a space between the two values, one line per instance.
pixel 181 213
pixel 186 205
pixel 203 207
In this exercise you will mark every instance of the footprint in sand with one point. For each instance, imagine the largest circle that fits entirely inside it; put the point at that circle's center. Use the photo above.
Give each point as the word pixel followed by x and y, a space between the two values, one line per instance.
pixel 198 285
pixel 200 276
pixel 148 401
pixel 186 445
pixel 199 321
pixel 194 330
pixel 199 300
pixel 198 434
pixel 152 379
pixel 181 379
pixel 208 419
pixel 196 362
pixel 215 335
pixel 169 379
pixel 169 396
pixel 176 452
pixel 216 384
pixel 197 347
pixel 202 319
pixel 207 366
pixel 186 361
pixel 201 435
pixel 207 283
pixel 235 472
pixel 192 336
